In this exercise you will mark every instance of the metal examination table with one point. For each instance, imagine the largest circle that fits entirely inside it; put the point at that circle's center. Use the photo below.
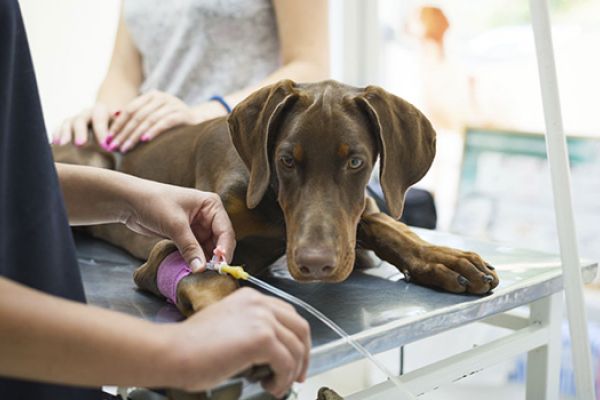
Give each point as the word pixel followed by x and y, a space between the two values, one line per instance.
pixel 383 312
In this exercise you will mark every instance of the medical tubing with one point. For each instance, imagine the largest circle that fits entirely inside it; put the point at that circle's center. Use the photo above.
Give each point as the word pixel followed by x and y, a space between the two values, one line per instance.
pixel 334 327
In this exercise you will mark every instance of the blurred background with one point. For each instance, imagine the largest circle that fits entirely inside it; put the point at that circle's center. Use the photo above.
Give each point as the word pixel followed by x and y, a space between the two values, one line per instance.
pixel 470 67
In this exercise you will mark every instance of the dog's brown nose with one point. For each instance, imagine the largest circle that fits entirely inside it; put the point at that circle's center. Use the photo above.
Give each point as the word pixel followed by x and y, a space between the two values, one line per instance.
pixel 316 262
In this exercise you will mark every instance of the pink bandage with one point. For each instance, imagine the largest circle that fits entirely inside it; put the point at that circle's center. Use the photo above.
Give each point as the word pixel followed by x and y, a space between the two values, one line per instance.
pixel 170 271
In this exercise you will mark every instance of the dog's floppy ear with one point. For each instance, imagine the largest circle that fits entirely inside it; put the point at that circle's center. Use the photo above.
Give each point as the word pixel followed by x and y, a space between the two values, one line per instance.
pixel 406 143
pixel 252 124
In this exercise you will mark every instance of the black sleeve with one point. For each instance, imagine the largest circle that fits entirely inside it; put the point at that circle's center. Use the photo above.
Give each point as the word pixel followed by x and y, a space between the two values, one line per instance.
pixel 36 245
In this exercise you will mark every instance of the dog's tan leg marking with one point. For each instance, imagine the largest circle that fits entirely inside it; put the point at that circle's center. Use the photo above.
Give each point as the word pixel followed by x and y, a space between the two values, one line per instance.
pixel 197 291
pixel 450 269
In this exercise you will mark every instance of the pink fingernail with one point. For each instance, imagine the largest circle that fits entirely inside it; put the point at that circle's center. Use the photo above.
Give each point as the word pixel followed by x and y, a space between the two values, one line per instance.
pixel 113 146
pixel 109 138
pixel 79 142
pixel 125 148
pixel 145 137
pixel 55 141
pixel 117 113
pixel 105 146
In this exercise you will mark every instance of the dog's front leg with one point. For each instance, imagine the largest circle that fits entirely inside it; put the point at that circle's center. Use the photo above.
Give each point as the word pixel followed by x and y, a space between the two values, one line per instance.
pixel 421 262
pixel 194 292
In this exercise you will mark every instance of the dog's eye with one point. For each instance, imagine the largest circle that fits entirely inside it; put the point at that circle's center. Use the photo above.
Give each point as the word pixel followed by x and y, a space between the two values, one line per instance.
pixel 355 163
pixel 287 161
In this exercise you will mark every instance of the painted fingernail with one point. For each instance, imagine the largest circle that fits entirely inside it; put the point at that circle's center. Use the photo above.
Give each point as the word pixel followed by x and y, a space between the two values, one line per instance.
pixel 490 267
pixel 145 137
pixel 55 141
pixel 113 146
pixel 117 113
pixel 79 142
pixel 463 281
pixel 196 265
pixel 488 278
pixel 109 138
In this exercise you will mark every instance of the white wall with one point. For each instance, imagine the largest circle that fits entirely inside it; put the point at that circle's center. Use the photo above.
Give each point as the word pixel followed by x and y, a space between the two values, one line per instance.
pixel 71 42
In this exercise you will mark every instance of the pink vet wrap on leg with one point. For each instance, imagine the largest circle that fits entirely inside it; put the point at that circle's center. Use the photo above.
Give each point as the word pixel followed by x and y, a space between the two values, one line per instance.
pixel 170 271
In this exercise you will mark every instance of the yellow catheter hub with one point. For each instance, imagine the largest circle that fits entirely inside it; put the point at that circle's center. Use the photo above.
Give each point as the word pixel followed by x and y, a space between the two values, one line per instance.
pixel 235 272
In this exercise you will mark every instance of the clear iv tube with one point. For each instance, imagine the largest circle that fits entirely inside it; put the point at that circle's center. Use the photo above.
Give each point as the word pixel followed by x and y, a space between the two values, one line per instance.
pixel 405 394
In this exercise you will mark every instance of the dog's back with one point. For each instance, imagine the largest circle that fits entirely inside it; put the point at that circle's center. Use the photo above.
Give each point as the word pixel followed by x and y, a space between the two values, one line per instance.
pixel 200 156
pixel 190 156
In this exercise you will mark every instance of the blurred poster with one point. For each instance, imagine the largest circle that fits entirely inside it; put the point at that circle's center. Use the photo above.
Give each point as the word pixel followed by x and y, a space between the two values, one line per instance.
pixel 505 191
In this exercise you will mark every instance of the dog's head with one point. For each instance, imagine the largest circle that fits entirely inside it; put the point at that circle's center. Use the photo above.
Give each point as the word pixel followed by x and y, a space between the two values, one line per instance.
pixel 316 145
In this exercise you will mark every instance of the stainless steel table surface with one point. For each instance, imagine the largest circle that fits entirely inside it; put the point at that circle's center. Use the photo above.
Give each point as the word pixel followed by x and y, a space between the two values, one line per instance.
pixel 375 306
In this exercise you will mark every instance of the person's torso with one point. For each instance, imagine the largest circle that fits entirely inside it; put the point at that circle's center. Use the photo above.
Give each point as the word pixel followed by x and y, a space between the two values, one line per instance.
pixel 195 49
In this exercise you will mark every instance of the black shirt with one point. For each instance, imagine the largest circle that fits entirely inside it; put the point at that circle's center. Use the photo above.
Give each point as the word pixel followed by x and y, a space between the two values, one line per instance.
pixel 36 245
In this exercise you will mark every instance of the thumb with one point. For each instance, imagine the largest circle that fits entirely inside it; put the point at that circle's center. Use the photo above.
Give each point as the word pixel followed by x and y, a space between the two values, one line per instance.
pixel 190 249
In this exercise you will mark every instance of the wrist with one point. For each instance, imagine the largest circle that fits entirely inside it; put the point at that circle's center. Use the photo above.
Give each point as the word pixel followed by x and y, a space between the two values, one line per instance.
pixel 208 110
pixel 222 102
pixel 180 366
pixel 131 194
pixel 164 361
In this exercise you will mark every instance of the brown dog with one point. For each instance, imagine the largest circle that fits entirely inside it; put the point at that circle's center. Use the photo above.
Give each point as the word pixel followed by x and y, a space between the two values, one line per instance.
pixel 291 164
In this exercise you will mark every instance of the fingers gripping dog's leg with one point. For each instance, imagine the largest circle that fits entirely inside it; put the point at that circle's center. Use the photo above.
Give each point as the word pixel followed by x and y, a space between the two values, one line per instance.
pixel 450 269
pixel 193 292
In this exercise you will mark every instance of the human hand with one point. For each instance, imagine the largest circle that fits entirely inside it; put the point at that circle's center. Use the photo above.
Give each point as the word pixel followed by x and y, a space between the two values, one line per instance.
pixel 150 114
pixel 196 221
pixel 76 128
pixel 243 330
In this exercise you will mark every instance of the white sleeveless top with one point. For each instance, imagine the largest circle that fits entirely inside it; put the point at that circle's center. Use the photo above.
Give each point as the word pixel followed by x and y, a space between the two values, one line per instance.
pixel 194 49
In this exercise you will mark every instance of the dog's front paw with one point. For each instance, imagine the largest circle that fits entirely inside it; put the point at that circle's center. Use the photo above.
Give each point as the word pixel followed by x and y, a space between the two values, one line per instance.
pixel 450 269
pixel 193 292
pixel 197 291
pixel 145 275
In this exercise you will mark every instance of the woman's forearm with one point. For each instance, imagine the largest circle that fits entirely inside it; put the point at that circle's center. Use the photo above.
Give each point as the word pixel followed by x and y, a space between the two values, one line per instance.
pixel 96 196
pixel 116 91
pixel 124 76
pixel 46 338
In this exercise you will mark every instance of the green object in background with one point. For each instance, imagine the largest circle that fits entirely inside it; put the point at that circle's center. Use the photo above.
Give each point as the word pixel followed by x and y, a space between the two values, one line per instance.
pixel 505 193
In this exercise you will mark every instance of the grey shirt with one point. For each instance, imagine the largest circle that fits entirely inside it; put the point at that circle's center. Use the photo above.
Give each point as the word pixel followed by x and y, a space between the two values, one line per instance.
pixel 194 49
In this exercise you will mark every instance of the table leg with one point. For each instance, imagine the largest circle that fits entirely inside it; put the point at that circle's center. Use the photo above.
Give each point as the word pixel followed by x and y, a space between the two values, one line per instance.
pixel 543 363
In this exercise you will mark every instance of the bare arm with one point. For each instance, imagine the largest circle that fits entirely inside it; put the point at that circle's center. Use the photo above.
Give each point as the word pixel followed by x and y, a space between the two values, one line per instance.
pixel 196 221
pixel 55 340
pixel 46 338
pixel 96 196
pixel 49 339
pixel 124 76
